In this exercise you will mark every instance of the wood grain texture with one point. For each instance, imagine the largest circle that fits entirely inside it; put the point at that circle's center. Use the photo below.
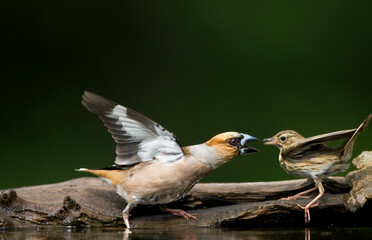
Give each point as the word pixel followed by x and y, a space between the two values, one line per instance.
pixel 90 201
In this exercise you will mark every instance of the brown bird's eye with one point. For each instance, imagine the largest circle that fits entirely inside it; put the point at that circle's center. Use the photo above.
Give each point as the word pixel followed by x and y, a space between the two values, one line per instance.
pixel 283 138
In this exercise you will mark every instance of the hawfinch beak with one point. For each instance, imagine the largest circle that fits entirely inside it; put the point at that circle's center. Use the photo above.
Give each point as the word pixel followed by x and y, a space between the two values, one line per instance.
pixel 247 149
pixel 247 138
pixel 269 141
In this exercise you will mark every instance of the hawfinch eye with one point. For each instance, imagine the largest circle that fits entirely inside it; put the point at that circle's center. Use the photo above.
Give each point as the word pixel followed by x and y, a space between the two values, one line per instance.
pixel 233 142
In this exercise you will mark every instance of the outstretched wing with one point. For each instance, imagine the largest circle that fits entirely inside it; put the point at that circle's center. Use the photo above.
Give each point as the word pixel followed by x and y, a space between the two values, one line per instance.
pixel 138 138
pixel 308 145
pixel 317 142
pixel 328 137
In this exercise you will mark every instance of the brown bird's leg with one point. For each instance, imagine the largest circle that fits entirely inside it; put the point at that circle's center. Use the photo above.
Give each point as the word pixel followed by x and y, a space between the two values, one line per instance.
pixel 126 211
pixel 319 184
pixel 298 195
pixel 178 212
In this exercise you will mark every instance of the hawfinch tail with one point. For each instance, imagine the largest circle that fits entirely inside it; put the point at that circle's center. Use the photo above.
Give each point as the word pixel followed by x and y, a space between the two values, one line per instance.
pixel 151 167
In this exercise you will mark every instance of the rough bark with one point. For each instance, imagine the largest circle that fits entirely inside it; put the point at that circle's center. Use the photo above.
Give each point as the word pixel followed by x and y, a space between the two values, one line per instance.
pixel 91 201
pixel 361 180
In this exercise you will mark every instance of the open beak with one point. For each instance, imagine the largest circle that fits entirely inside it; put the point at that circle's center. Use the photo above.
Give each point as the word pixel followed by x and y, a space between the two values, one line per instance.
pixel 247 138
pixel 247 149
pixel 269 141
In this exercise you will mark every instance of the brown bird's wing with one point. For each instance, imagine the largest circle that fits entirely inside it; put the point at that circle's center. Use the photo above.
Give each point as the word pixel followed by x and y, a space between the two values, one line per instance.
pixel 360 129
pixel 138 138
pixel 317 142
pixel 308 152
pixel 328 137
pixel 351 134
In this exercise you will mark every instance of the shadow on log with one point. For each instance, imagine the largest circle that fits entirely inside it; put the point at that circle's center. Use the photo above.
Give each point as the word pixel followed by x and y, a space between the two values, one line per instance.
pixel 92 202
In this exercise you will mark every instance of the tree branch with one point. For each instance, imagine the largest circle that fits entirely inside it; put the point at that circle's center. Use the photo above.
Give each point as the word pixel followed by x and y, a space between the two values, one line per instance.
pixel 91 201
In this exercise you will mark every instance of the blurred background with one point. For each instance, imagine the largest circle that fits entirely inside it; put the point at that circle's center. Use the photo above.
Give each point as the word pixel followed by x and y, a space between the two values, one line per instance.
pixel 197 67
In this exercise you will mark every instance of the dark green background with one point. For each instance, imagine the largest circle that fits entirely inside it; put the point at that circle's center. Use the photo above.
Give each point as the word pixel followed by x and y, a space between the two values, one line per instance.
pixel 197 67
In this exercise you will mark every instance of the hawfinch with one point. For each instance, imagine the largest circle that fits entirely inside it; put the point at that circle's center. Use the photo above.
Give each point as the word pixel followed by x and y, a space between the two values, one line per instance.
pixel 151 167
pixel 311 158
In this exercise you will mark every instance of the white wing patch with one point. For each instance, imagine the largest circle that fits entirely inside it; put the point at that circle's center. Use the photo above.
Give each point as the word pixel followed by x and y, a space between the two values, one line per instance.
pixel 159 145
pixel 134 130
pixel 160 148
pixel 137 137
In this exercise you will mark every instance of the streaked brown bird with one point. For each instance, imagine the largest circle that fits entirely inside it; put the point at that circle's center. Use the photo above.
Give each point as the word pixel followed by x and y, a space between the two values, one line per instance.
pixel 151 167
pixel 311 158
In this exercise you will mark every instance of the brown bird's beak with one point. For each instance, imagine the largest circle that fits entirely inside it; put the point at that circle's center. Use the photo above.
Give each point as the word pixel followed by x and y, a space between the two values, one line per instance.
pixel 269 141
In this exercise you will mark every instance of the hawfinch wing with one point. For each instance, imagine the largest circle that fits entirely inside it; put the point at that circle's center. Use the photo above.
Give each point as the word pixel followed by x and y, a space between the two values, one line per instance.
pixel 138 138
pixel 317 142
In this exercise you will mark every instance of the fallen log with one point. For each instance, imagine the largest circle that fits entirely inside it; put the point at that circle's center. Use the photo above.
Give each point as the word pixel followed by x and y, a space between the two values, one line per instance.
pixel 90 201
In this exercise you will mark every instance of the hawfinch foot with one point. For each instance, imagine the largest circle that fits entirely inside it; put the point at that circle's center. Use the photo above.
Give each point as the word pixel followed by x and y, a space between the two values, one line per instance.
pixel 179 212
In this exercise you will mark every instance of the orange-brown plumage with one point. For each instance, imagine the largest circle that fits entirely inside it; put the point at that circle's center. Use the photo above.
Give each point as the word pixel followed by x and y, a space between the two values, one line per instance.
pixel 224 150
pixel 114 176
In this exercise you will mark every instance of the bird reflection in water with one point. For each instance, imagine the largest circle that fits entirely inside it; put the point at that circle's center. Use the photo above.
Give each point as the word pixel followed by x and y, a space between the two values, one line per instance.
pixel 307 234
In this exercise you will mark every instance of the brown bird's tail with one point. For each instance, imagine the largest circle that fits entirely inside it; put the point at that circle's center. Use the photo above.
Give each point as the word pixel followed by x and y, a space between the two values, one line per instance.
pixel 111 176
pixel 348 147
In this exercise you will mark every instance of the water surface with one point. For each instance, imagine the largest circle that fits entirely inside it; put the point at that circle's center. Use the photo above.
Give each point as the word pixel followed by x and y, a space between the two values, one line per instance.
pixel 186 233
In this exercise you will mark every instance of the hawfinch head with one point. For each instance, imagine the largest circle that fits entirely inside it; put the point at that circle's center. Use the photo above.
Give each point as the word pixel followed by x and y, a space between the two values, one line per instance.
pixel 283 139
pixel 229 145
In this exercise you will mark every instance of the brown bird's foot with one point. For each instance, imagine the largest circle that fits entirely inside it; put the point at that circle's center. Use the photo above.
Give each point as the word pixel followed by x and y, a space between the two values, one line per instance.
pixel 179 212
pixel 301 194
pixel 307 211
